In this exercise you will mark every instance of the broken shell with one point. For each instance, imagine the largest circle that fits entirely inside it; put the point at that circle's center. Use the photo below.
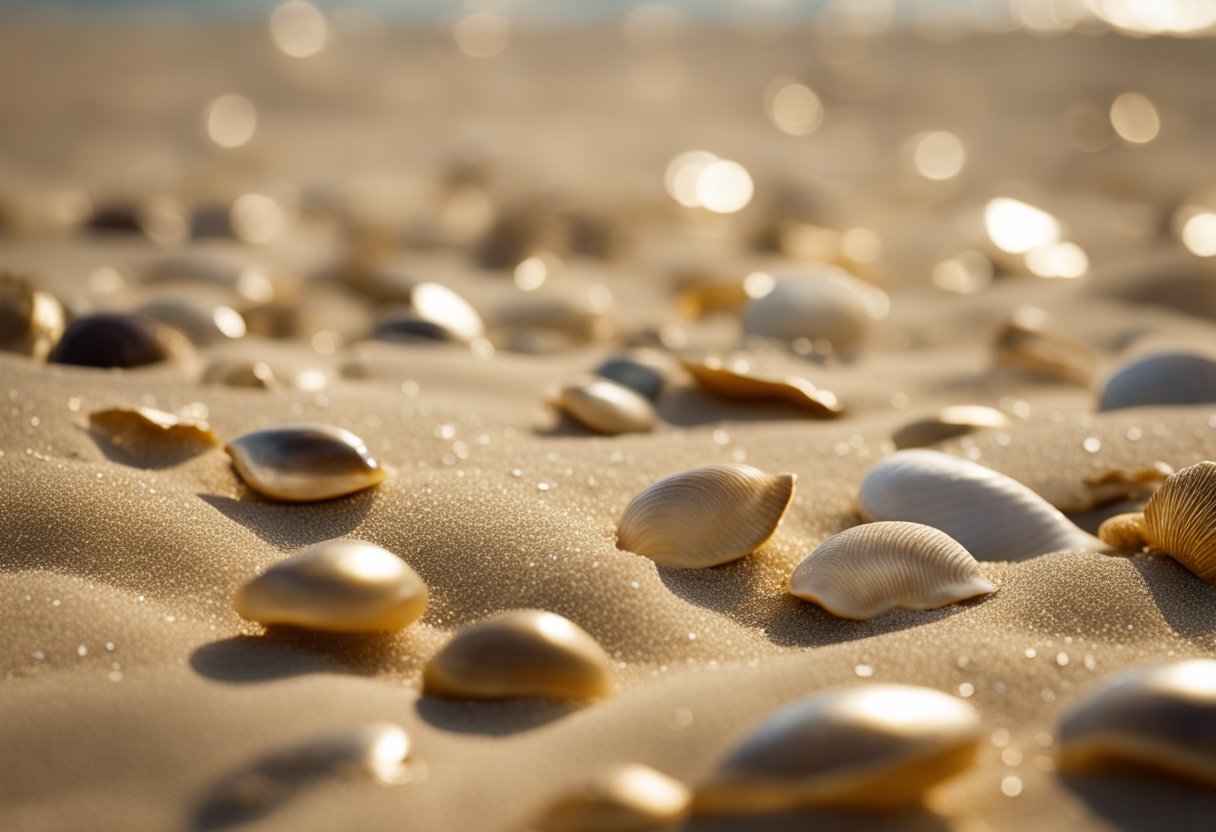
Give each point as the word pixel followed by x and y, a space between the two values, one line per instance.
pixel 1162 716
pixel 345 586
pixel 115 340
pixel 130 425
pixel 738 381
pixel 828 304
pixel 625 798
pixel 520 653
pixel 1123 532
pixel 954 421
pixel 1180 519
pixel 993 516
pixel 31 320
pixel 868 570
pixel 868 747
pixel 1169 378
pixel 304 462
pixel 605 406
pixel 638 371
pixel 240 373
pixel 1026 342
pixel 705 516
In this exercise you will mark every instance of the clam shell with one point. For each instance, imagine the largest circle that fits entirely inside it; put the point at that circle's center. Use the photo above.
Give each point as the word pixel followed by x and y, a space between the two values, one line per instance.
pixel 345 586
pixel 828 304
pixel 116 340
pixel 31 320
pixel 993 516
pixel 705 516
pixel 1027 342
pixel 1123 532
pixel 132 425
pixel 304 462
pixel 1169 378
pixel 1180 519
pixel 868 747
pixel 737 381
pixel 868 570
pixel 1162 716
pixel 520 653
pixel 624 798
pixel 957 420
pixel 605 406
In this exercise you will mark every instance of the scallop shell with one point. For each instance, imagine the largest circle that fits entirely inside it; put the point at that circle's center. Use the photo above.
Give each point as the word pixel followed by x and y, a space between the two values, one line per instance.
pixel 828 304
pixel 304 462
pixel 957 420
pixel 738 381
pixel 993 516
pixel 705 516
pixel 31 320
pixel 868 570
pixel 1162 716
pixel 344 586
pixel 116 340
pixel 624 798
pixel 1169 378
pixel 520 653
pixel 1180 519
pixel 867 747
pixel 131 425
pixel 605 406
pixel 1026 342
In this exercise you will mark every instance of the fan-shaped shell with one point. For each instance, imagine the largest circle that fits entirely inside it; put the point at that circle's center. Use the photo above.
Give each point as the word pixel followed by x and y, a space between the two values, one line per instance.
pixel 1028 343
pixel 953 421
pixel 1162 716
pixel 1180 519
pixel 31 320
pixel 738 381
pixel 705 516
pixel 520 653
pixel 605 406
pixel 1166 378
pixel 867 747
pixel 624 798
pixel 868 570
pixel 116 340
pixel 993 516
pixel 304 462
pixel 828 304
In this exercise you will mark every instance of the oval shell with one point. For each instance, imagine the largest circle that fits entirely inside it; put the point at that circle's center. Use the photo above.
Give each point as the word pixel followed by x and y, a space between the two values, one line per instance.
pixel 625 798
pixel 345 586
pixel 738 381
pixel 867 747
pixel 116 340
pixel 31 320
pixel 1026 342
pixel 1170 378
pixel 829 304
pixel 705 516
pixel 304 462
pixel 868 570
pixel 441 306
pixel 957 420
pixel 645 376
pixel 1180 519
pixel 993 516
pixel 605 406
pixel 520 653
pixel 1162 716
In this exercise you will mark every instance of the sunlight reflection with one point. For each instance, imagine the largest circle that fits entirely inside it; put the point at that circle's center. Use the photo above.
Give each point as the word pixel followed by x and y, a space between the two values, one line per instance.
pixel 231 120
pixel 1016 227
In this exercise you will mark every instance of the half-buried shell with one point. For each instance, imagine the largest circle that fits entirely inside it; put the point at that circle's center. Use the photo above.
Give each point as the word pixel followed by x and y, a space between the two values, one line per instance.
pixel 1169 378
pixel 827 304
pixel 304 462
pixel 605 406
pixel 956 420
pixel 739 382
pixel 117 340
pixel 624 798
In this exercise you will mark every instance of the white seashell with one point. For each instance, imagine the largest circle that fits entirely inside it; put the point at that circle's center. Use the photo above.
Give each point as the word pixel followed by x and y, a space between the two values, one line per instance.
pixel 957 420
pixel 1163 717
pixel 624 798
pixel 705 516
pixel 134 425
pixel 605 406
pixel 738 381
pixel 827 304
pixel 993 516
pixel 31 320
pixel 1169 378
pixel 520 653
pixel 868 570
pixel 1027 342
pixel 345 586
pixel 304 462
pixel 868 747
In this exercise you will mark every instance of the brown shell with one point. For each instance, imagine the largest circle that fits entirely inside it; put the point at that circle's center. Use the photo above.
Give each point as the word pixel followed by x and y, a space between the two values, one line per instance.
pixel 1123 532
pixel 737 381
pixel 1180 519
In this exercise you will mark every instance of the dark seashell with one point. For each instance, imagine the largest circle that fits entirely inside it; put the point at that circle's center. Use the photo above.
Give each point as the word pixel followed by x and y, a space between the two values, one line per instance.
pixel 117 340
pixel 637 376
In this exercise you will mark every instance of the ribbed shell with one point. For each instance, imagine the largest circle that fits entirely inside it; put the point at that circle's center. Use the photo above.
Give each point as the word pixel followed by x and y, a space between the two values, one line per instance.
pixel 1180 519
pixel 304 462
pixel 868 570
pixel 705 516
pixel 1167 378
pixel 606 407
pixel 993 516
pixel 742 384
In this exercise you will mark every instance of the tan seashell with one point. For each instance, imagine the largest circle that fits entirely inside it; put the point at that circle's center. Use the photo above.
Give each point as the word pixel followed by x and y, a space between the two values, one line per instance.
pixel 1168 378
pixel 957 420
pixel 868 570
pixel 868 747
pixel 705 516
pixel 605 406
pixel 1124 532
pixel 133 425
pixel 737 381
pixel 1114 485
pixel 304 462
pixel 345 586
pixel 565 316
pixel 825 304
pixel 1180 519
pixel 116 340
pixel 31 320
pixel 624 798
pixel 1026 342
pixel 1162 716
pixel 520 653
pixel 240 373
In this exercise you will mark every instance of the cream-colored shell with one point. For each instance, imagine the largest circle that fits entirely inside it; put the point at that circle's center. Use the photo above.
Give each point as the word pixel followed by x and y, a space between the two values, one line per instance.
pixel 624 798
pixel 605 406
pixel 738 381
pixel 993 516
pixel 867 747
pixel 705 516
pixel 31 320
pixel 828 304
pixel 1168 378
pixel 520 653
pixel 345 586
pixel 953 421
pixel 1180 519
pixel 1026 342
pixel 1162 716
pixel 304 462
pixel 868 570
pixel 132 425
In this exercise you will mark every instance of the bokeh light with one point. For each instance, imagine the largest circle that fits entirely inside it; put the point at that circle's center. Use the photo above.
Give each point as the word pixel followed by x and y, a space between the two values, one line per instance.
pixel 1017 227
pixel 482 34
pixel 231 120
pixel 937 155
pixel 793 107
pixel 298 29
pixel 1135 118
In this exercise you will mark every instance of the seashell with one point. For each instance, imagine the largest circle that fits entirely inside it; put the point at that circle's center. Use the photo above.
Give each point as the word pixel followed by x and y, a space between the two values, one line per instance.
pixel 520 653
pixel 624 798
pixel 827 304
pixel 870 747
pixel 569 315
pixel 219 269
pixel 117 340
pixel 957 420
pixel 705 516
pixel 1116 484
pixel 1026 342
pixel 868 570
pixel 605 406
pixel 133 425
pixel 345 586
pixel 444 308
pixel 202 322
pixel 738 381
pixel 304 462
pixel 1162 716
pixel 240 373
pixel 640 371
pixel 31 320
pixel 993 516
pixel 1123 532
pixel 1180 519
pixel 1167 378
pixel 411 329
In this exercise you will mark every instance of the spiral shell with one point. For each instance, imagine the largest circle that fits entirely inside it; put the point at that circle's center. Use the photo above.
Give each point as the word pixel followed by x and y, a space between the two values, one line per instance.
pixel 738 381
pixel 828 304
pixel 304 462
pixel 624 798
pixel 1168 378
pixel 605 406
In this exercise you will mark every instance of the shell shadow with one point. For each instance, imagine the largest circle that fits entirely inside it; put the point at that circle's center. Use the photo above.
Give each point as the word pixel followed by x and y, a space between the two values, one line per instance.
pixel 149 455
pixel 285 525
pixel 1132 800
pixel 1184 599
pixel 917 819
pixel 493 718
pixel 286 652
